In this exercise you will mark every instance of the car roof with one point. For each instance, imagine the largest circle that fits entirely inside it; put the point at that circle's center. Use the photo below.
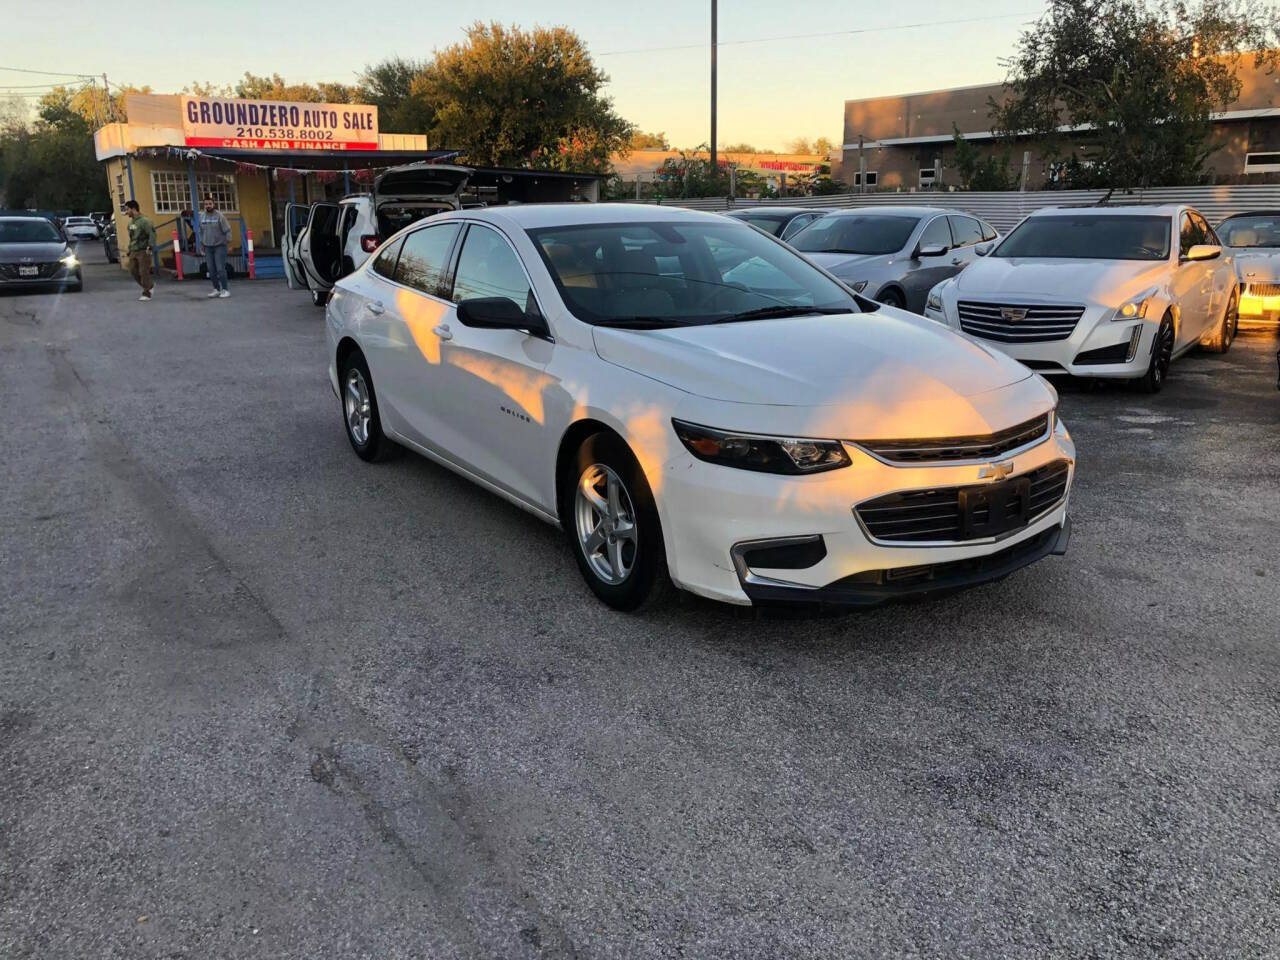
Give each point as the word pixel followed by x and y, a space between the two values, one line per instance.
pixel 782 211
pixel 1112 210
pixel 897 211
pixel 1253 213
pixel 9 216
pixel 531 216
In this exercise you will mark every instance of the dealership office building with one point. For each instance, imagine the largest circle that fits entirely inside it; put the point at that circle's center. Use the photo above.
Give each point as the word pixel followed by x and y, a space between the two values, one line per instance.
pixel 256 157
pixel 901 141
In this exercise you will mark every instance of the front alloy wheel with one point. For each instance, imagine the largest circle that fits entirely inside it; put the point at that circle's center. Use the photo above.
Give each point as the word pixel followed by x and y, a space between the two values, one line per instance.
pixel 606 523
pixel 611 522
pixel 1161 356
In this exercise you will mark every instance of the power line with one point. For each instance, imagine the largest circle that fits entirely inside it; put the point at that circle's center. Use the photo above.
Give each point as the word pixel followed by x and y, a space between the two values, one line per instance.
pixel 825 33
pixel 47 73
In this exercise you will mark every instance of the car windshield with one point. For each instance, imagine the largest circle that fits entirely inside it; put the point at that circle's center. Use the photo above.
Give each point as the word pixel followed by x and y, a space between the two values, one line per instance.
pixel 679 274
pixel 1087 236
pixel 861 233
pixel 771 224
pixel 1255 231
pixel 28 231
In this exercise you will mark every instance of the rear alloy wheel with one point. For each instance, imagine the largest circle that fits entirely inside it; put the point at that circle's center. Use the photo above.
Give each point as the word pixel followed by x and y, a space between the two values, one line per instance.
pixel 360 412
pixel 1220 340
pixel 1161 356
pixel 612 523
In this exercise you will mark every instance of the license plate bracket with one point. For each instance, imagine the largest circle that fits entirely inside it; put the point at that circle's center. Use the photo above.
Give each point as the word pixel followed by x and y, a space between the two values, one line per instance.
pixel 996 508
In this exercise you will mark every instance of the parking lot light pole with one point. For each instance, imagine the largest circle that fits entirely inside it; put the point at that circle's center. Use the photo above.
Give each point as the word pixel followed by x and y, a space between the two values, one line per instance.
pixel 715 169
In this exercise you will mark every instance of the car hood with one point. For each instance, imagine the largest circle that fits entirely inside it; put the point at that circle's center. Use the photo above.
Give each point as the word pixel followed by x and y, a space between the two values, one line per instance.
pixel 844 264
pixel 1259 264
pixel 1106 282
pixel 37 252
pixel 859 375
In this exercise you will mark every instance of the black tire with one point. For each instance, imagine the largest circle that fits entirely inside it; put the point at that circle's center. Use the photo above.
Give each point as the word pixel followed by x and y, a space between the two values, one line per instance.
pixel 374 446
pixel 1161 355
pixel 644 557
pixel 1220 340
pixel 892 298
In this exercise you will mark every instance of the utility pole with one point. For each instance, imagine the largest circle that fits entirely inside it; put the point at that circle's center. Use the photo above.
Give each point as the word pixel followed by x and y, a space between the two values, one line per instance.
pixel 715 169
pixel 862 167
pixel 106 90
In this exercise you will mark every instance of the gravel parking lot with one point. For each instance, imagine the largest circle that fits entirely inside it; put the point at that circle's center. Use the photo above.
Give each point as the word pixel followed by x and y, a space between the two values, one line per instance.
pixel 260 699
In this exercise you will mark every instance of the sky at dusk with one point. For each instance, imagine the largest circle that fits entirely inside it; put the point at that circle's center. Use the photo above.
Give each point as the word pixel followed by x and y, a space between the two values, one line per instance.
pixel 770 92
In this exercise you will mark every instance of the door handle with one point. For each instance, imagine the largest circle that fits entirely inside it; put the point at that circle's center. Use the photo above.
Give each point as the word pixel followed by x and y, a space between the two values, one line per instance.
pixel 375 307
pixel 443 332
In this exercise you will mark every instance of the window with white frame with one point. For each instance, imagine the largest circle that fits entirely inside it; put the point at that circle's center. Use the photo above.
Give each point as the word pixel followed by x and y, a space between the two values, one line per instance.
pixel 172 190
pixel 1261 162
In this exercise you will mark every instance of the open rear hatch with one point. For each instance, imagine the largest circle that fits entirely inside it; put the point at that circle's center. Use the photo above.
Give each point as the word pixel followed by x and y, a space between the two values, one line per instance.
pixel 404 194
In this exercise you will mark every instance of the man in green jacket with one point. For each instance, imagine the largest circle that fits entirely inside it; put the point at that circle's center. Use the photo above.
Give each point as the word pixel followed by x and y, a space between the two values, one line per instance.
pixel 142 237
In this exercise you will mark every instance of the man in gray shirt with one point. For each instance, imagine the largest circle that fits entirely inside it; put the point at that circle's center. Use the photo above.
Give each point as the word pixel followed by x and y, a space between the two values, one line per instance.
pixel 215 234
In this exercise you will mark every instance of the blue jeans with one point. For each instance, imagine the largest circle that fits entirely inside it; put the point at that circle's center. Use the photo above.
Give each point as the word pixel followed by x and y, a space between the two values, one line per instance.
pixel 215 258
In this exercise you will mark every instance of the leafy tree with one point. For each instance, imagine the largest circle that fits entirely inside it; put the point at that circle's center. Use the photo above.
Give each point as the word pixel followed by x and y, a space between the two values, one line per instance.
pixel 254 87
pixel 819 146
pixel 739 148
pixel 649 141
pixel 388 85
pixel 509 97
pixel 690 175
pixel 982 171
pixel 50 164
pixel 1143 78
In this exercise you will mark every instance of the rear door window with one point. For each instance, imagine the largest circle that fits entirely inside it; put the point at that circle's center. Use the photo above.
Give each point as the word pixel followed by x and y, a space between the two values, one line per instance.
pixel 384 264
pixel 424 259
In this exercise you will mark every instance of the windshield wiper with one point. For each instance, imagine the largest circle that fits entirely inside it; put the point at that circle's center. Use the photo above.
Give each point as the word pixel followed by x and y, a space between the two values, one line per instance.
pixel 775 313
pixel 638 323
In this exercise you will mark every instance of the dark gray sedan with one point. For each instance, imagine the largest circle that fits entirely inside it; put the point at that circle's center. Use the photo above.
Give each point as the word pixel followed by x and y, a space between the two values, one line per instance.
pixel 34 252
pixel 895 254
pixel 781 222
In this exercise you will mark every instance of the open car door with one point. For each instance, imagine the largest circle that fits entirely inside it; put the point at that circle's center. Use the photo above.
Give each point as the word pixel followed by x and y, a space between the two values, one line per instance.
pixel 319 249
pixel 295 221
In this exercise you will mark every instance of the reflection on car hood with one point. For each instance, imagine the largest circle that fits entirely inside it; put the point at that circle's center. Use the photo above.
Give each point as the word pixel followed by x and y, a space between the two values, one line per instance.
pixel 1106 282
pixel 1258 264
pixel 843 264
pixel 861 374
pixel 38 252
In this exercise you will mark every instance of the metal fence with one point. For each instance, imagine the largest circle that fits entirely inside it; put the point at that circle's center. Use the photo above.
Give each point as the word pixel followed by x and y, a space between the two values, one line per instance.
pixel 1004 209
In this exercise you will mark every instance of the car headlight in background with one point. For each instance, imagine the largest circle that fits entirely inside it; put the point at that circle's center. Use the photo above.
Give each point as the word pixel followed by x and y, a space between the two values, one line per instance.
pixel 935 300
pixel 763 454
pixel 1136 308
pixel 70 260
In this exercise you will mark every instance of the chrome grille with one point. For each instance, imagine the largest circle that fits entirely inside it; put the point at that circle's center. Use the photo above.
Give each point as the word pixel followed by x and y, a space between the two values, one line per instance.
pixel 10 270
pixel 1020 322
pixel 985 447
pixel 923 516
pixel 1263 289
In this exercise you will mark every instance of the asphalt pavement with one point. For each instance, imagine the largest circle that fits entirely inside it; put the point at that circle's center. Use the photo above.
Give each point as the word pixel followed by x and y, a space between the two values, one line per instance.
pixel 261 699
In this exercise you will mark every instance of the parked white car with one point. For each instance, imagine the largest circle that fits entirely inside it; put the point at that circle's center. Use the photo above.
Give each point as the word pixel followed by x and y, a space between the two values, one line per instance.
pixel 326 241
pixel 1254 241
pixel 81 228
pixel 1098 292
pixel 684 394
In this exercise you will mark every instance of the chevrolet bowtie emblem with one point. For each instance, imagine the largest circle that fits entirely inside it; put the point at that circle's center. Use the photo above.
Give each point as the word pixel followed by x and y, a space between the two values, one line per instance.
pixel 996 471
pixel 1013 314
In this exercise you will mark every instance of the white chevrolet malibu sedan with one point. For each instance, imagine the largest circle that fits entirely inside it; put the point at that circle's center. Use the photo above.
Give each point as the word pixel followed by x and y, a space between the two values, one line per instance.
pixel 685 395
pixel 1098 292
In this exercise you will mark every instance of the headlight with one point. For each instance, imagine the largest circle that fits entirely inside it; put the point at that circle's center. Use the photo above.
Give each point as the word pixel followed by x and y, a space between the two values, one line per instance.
pixel 935 300
pixel 1135 308
pixel 762 454
pixel 70 260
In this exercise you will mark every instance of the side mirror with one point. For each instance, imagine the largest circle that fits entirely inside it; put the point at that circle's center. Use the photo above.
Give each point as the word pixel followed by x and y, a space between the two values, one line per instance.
pixel 982 249
pixel 1203 251
pixel 499 313
pixel 932 250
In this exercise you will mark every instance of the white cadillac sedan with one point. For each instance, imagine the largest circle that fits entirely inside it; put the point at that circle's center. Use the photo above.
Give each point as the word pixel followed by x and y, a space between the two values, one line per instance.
pixel 685 395
pixel 1098 292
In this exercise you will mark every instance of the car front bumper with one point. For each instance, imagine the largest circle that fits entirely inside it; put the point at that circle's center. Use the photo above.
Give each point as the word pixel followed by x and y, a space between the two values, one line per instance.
pixel 1259 308
pixel 61 277
pixel 1098 346
pixel 712 516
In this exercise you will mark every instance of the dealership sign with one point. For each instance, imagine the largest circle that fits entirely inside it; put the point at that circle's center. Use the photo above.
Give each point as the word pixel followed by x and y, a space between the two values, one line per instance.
pixel 278 125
